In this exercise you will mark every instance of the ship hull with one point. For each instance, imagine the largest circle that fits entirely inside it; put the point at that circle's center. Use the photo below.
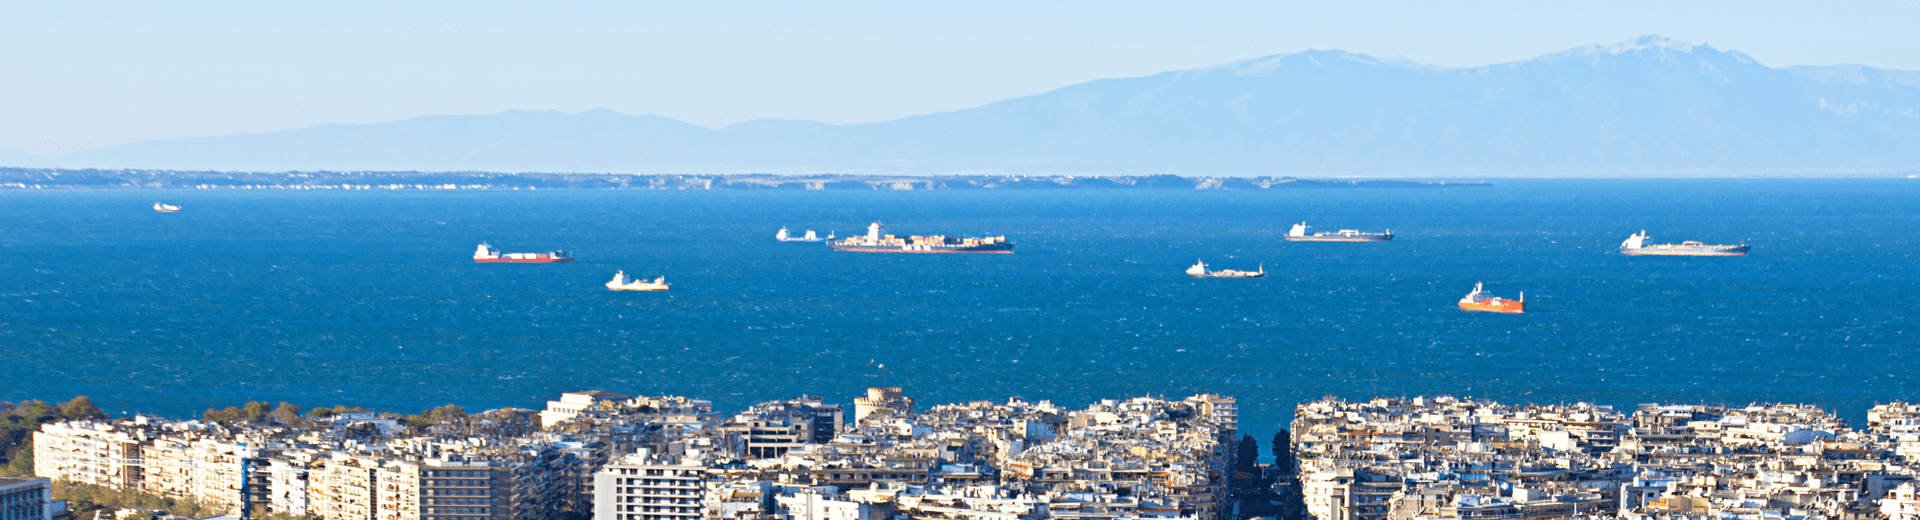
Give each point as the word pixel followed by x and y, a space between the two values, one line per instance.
pixel 523 260
pixel 1312 238
pixel 1685 251
pixel 1504 307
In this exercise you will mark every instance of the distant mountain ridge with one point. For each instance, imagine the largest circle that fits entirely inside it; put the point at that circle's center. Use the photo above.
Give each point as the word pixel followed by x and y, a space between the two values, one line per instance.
pixel 1648 107
pixel 41 178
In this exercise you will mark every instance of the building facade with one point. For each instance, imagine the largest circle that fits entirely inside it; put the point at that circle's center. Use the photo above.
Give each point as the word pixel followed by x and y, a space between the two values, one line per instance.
pixel 27 499
pixel 649 488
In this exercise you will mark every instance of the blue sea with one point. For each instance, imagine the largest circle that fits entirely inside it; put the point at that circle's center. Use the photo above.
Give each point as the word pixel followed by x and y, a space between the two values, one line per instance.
pixel 369 298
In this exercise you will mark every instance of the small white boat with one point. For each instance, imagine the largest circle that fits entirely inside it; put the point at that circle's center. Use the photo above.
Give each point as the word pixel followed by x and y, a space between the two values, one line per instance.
pixel 810 237
pixel 1199 270
pixel 621 283
pixel 165 208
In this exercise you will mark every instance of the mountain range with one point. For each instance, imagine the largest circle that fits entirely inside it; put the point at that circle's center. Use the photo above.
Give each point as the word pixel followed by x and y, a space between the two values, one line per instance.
pixel 1647 107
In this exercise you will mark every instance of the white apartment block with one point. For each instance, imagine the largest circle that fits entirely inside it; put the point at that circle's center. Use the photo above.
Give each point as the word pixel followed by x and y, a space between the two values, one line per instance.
pixel 643 489
pixel 575 404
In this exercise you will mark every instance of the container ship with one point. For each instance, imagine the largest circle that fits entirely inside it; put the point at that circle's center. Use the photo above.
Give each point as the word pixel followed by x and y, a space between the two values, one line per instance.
pixel 1479 300
pixel 878 241
pixel 1299 234
pixel 488 255
pixel 1637 245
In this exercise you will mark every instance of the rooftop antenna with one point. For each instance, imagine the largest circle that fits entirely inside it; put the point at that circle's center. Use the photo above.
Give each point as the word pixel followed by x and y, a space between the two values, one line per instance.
pixel 882 367
pixel 1376 383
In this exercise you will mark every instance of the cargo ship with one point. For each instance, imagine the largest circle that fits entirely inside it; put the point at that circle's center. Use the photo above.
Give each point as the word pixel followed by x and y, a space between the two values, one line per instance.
pixel 488 255
pixel 165 208
pixel 1479 300
pixel 1637 245
pixel 784 237
pixel 1199 270
pixel 1299 234
pixel 621 283
pixel 878 241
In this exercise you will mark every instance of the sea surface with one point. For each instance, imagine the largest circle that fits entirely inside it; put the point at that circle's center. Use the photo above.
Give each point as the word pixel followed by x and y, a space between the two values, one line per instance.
pixel 369 298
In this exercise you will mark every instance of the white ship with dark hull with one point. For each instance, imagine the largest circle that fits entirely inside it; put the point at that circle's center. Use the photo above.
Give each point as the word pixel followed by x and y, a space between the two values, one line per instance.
pixel 486 254
pixel 878 241
pixel 810 237
pixel 1199 270
pixel 1637 245
pixel 1299 234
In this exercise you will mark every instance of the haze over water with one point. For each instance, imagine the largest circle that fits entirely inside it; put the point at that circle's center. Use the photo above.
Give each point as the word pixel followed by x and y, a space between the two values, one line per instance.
pixel 371 299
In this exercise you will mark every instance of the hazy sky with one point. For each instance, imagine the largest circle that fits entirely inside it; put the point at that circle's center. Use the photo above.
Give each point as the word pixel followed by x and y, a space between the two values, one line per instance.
pixel 76 75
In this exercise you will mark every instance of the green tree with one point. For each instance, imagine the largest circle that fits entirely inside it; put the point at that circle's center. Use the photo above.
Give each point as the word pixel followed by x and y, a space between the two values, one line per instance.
pixel 255 411
pixel 260 513
pixel 80 408
pixel 1283 451
pixel 227 416
pixel 35 407
pixel 323 412
pixel 86 499
pixel 286 413
pixel 1247 456
pixel 20 463
pixel 433 416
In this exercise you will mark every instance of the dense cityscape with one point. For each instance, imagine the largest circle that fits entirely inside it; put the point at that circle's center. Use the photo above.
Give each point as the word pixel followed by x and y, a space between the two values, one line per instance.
pixel 609 456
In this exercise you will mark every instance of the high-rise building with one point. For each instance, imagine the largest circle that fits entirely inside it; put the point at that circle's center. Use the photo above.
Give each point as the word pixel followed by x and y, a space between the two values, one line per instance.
pixel 88 452
pixel 28 499
pixel 645 487
pixel 773 428
pixel 450 490
pixel 341 487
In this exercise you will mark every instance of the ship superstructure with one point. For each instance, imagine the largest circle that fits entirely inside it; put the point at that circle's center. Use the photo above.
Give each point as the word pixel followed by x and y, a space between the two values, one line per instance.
pixel 165 208
pixel 488 255
pixel 1636 245
pixel 878 241
pixel 1479 300
pixel 1299 234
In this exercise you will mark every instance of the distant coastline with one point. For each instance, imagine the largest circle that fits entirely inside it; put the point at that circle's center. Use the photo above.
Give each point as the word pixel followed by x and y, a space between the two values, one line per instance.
pixel 53 178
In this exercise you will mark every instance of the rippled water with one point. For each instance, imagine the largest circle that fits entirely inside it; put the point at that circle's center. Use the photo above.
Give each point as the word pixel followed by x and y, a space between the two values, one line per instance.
pixel 369 298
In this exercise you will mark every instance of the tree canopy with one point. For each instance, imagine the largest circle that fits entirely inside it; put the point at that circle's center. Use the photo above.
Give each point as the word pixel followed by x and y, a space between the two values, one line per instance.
pixel 1283 451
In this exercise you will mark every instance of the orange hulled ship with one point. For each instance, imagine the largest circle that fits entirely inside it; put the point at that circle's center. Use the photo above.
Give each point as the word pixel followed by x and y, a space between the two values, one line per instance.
pixel 1479 300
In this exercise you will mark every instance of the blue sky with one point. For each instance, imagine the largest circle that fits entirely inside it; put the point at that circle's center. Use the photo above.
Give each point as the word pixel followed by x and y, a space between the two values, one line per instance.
pixel 76 75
